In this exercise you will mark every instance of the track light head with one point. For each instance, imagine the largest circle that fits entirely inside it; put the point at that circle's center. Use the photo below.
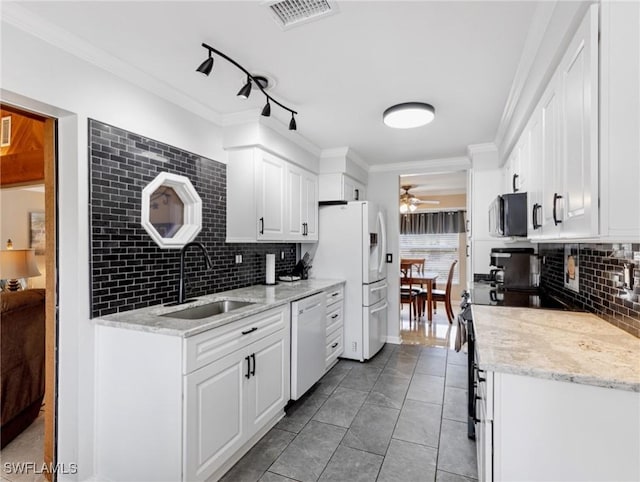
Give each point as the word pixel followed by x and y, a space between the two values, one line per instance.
pixel 292 123
pixel 245 92
pixel 266 110
pixel 207 66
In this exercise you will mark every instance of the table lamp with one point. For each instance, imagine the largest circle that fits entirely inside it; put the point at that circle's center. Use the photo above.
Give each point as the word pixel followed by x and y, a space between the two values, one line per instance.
pixel 16 264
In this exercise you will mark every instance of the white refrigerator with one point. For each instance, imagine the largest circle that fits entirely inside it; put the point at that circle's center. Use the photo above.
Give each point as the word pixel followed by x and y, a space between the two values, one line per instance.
pixel 352 246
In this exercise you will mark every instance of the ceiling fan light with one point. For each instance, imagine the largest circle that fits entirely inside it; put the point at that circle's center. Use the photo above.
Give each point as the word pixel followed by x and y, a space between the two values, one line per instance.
pixel 409 115
pixel 207 66
pixel 245 92
pixel 412 207
pixel 403 208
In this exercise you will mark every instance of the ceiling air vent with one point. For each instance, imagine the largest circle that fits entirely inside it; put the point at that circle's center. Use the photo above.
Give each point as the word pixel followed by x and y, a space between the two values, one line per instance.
pixel 291 13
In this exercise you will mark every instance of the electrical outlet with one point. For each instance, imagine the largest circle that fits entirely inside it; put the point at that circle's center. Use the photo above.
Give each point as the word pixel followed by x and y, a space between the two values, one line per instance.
pixel 389 257
pixel 354 346
pixel 238 259
pixel 282 255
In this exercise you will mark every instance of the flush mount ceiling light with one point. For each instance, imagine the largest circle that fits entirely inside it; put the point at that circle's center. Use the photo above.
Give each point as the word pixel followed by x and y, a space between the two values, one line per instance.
pixel 408 115
pixel 252 81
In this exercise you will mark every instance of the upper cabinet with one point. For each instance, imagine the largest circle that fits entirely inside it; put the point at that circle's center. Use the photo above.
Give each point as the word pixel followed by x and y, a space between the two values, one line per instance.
pixel 620 121
pixel 337 186
pixel 581 143
pixel 269 199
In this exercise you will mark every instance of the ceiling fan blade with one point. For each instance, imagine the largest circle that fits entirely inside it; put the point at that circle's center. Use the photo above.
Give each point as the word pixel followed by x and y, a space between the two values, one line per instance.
pixel 428 202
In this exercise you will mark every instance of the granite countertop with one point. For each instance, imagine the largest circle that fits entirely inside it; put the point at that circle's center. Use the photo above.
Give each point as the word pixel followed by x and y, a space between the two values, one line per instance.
pixel 558 345
pixel 264 297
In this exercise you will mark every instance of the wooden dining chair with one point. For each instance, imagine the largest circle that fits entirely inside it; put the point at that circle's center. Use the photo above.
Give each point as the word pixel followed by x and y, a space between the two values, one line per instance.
pixel 408 294
pixel 445 295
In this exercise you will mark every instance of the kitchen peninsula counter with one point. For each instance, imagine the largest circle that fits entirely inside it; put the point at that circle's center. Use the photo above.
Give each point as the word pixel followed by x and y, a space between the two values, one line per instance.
pixel 154 319
pixel 557 345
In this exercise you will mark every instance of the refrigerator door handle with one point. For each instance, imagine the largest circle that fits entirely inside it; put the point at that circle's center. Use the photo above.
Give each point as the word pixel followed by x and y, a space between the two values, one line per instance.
pixel 381 287
pixel 383 307
pixel 383 244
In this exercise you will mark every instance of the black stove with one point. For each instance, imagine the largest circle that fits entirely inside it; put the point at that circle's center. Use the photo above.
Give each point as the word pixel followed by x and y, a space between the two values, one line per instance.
pixel 497 294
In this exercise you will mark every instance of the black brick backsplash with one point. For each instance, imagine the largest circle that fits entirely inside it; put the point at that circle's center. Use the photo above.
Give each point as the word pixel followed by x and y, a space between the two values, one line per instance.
pixel 128 270
pixel 600 275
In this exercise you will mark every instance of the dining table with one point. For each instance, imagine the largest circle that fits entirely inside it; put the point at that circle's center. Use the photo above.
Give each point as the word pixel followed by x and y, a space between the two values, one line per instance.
pixel 427 278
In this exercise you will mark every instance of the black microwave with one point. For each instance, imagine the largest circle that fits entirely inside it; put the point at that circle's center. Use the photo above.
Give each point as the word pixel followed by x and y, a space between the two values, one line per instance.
pixel 508 215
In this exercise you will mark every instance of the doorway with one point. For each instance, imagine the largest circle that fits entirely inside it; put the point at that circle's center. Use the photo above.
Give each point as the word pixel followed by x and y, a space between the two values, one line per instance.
pixel 432 242
pixel 28 191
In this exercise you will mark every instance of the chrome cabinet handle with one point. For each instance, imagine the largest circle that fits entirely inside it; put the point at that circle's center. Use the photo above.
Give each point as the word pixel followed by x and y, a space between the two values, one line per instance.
pixel 534 215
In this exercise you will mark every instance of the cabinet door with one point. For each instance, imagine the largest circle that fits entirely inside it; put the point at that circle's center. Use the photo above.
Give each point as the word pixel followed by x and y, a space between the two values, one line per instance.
pixel 534 178
pixel 579 119
pixel 268 390
pixel 352 189
pixel 214 415
pixel 310 206
pixel 295 228
pixel 270 187
pixel 552 201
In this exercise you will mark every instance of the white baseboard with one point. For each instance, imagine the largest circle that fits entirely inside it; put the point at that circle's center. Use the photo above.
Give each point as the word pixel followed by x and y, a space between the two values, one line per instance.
pixel 394 340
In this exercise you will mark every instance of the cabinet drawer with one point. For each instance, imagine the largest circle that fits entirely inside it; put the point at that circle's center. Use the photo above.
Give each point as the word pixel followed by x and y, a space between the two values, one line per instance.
pixel 212 345
pixel 335 295
pixel 334 316
pixel 335 347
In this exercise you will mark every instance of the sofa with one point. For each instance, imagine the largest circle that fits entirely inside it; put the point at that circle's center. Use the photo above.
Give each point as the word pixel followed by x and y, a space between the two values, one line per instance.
pixel 22 356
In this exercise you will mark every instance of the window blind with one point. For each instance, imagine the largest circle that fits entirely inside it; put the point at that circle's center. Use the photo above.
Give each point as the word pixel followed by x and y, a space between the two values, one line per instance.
pixel 438 251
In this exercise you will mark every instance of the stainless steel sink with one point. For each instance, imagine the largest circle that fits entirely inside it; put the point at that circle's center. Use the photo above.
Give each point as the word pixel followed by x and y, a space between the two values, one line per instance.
pixel 210 309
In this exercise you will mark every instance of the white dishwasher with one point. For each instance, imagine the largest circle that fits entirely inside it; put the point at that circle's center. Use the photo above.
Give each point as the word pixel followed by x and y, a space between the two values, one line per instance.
pixel 308 342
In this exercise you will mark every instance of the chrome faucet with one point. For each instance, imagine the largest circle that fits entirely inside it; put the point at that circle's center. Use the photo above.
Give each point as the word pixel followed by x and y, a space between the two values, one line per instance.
pixel 207 264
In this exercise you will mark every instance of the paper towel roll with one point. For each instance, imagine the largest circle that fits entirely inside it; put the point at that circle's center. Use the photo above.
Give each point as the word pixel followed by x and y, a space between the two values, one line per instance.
pixel 270 278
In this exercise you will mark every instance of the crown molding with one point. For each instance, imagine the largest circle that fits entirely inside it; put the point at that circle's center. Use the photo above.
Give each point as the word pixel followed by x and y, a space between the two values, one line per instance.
pixel 37 26
pixel 442 165
pixel 474 149
pixel 535 36
pixel 346 152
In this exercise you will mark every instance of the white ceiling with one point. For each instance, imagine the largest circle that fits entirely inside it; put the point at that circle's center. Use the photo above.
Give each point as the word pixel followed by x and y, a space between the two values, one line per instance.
pixel 340 72
pixel 435 183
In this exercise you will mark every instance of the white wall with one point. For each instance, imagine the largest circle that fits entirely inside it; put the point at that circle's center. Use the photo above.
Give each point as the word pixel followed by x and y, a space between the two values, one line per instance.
pixel 45 79
pixel 15 206
pixel 383 189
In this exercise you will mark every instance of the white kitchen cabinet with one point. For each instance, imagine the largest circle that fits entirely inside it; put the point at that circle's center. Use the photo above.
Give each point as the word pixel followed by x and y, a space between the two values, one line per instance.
pixel 620 121
pixel 579 130
pixel 541 429
pixel 335 326
pixel 337 186
pixel 201 402
pixel 271 196
pixel 302 196
pixel 559 146
pixel 269 199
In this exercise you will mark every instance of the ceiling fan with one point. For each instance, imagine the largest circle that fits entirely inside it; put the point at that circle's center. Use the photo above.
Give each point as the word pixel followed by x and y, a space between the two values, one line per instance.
pixel 409 202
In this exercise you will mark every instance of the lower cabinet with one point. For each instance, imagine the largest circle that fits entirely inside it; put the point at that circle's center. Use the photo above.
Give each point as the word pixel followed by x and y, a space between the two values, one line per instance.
pixel 539 429
pixel 335 326
pixel 172 408
pixel 228 401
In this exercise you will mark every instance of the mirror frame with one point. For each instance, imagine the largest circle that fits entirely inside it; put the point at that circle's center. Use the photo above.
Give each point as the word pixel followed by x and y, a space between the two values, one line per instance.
pixel 192 213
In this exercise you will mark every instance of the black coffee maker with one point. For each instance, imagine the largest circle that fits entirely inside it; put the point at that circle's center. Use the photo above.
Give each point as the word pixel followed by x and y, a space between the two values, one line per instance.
pixel 301 269
pixel 514 267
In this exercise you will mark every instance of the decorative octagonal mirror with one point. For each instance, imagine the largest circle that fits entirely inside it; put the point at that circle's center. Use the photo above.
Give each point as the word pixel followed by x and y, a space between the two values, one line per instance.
pixel 171 210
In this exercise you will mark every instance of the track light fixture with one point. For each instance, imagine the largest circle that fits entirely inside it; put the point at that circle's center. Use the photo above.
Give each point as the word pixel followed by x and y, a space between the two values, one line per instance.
pixel 245 92
pixel 266 110
pixel 207 66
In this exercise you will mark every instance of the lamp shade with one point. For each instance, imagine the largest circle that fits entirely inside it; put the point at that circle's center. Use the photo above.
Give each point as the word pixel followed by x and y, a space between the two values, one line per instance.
pixel 18 263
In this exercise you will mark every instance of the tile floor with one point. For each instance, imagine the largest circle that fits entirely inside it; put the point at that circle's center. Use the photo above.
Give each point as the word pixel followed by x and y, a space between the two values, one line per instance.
pixel 399 417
